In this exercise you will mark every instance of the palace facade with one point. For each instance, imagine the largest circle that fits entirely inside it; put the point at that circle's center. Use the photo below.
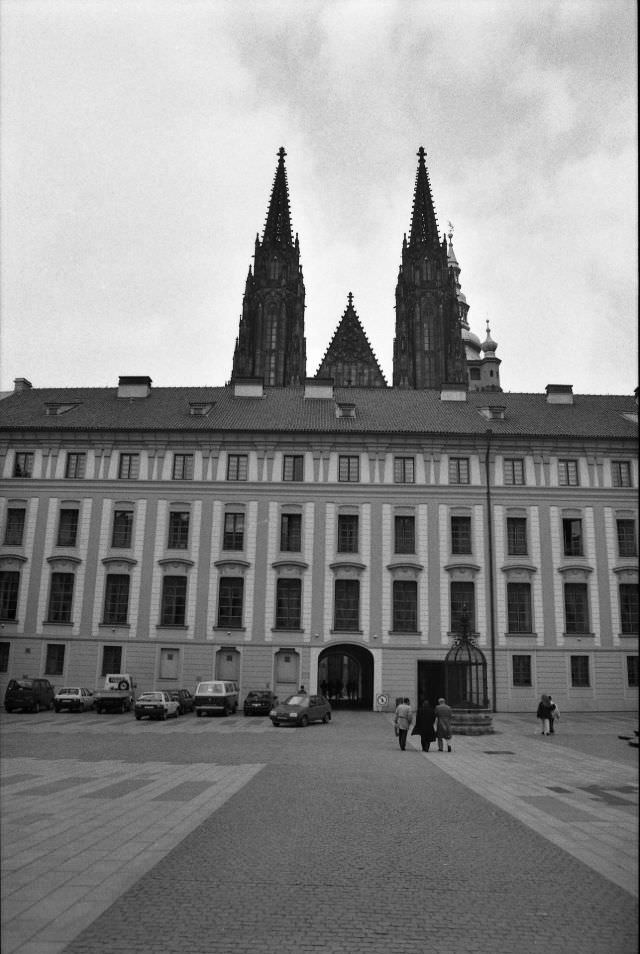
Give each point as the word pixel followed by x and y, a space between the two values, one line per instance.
pixel 331 530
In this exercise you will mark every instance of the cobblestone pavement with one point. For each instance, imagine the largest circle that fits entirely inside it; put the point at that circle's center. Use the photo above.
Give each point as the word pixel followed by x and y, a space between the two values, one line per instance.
pixel 213 836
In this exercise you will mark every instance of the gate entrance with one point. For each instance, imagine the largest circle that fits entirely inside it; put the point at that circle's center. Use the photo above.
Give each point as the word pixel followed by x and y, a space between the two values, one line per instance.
pixel 431 682
pixel 345 676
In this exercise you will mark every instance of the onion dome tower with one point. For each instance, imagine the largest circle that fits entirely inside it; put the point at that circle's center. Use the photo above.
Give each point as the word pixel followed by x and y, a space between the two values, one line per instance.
pixel 271 341
pixel 428 350
pixel 490 365
pixel 349 359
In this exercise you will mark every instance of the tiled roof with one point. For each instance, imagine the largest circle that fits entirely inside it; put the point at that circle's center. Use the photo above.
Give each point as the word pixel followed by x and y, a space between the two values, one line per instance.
pixel 377 411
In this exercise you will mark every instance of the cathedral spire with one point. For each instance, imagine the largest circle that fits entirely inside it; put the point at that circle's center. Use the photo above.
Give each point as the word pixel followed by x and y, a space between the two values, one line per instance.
pixel 277 229
pixel 424 224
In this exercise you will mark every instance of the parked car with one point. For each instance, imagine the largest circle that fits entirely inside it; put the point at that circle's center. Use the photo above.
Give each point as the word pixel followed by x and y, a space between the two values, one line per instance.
pixel 185 700
pixel 73 698
pixel 29 694
pixel 301 709
pixel 216 695
pixel 259 702
pixel 156 705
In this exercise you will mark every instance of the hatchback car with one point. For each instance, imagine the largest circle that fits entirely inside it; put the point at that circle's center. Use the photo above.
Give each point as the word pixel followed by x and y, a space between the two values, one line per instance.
pixel 156 705
pixel 259 702
pixel 185 700
pixel 73 698
pixel 29 694
pixel 301 709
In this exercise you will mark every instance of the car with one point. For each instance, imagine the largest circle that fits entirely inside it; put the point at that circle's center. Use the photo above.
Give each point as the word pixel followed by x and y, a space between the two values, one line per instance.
pixel 73 698
pixel 156 705
pixel 216 695
pixel 259 702
pixel 185 700
pixel 301 709
pixel 30 694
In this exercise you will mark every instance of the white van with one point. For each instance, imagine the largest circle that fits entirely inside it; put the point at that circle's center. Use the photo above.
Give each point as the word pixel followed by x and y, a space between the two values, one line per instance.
pixel 216 696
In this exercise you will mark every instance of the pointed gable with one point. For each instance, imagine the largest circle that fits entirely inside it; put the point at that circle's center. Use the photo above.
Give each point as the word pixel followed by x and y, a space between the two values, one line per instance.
pixel 349 359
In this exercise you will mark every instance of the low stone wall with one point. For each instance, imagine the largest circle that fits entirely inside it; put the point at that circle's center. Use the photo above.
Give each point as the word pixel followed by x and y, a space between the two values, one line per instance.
pixel 471 722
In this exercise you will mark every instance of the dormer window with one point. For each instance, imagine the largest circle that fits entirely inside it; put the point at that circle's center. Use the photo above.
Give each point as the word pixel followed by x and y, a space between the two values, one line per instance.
pixel 346 410
pixel 200 408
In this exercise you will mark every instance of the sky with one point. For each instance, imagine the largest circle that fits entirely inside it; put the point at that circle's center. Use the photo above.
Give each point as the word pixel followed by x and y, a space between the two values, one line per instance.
pixel 139 143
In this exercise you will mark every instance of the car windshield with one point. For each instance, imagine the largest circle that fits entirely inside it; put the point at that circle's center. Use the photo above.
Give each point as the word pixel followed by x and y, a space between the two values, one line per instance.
pixel 297 701
pixel 68 692
pixel 154 696
pixel 259 695
pixel 210 687
pixel 21 684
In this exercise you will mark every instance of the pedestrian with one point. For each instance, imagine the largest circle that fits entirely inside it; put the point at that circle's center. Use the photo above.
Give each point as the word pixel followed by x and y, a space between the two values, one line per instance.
pixel 425 719
pixel 544 713
pixel 443 731
pixel 555 715
pixel 402 721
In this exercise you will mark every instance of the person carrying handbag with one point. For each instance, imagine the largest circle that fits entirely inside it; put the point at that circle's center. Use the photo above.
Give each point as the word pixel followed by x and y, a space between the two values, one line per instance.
pixel 402 721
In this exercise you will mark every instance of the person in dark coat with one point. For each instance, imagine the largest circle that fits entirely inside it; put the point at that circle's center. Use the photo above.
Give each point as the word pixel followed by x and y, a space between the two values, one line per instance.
pixel 544 713
pixel 424 725
pixel 443 732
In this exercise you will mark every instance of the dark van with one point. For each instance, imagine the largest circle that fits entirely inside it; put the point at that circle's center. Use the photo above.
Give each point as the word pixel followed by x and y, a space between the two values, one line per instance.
pixel 28 694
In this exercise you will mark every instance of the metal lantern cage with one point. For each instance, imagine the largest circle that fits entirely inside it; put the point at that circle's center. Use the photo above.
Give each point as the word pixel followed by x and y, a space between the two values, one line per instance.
pixel 465 673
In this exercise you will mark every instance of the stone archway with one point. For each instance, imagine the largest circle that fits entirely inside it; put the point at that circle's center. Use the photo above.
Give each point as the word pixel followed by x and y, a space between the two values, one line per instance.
pixel 345 676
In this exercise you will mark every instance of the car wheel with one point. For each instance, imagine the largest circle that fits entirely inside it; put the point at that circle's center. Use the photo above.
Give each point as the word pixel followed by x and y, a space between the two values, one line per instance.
pixel 35 707
pixel 176 714
pixel 138 717
pixel 304 722
pixel 57 708
pixel 198 713
pixel 326 718
pixel 164 715
pixel 276 724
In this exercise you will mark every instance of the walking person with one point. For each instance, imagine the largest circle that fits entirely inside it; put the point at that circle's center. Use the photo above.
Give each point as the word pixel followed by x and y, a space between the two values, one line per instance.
pixel 555 715
pixel 544 713
pixel 443 731
pixel 402 721
pixel 424 725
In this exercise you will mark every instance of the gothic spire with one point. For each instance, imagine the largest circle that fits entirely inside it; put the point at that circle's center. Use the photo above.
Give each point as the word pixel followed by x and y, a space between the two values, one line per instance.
pixel 350 359
pixel 424 224
pixel 277 229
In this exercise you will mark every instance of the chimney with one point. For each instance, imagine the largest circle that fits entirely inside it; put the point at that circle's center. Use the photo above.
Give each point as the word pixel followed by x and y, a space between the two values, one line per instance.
pixel 248 387
pixel 134 387
pixel 559 393
pixel 21 384
pixel 318 388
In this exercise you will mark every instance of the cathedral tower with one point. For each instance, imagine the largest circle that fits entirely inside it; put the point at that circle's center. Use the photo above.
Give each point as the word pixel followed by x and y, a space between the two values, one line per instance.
pixel 271 342
pixel 428 351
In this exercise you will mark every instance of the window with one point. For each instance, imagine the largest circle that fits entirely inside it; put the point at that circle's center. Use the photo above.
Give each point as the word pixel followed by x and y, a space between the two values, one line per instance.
pixel 178 530
pixel 460 534
pixel 405 534
pixel 627 546
pixel 580 672
pixel 169 663
pixel 572 536
pixel 517 536
pixel 9 586
pixel 116 600
pixel 632 670
pixel 576 608
pixel 519 608
pixel 288 604
pixel 349 469
pixel 237 467
pixel 514 470
pixel 60 598
pixel 4 656
pixel 182 467
pixel 291 532
pixel 293 467
pixel 629 608
pixel 67 527
pixel 405 606
pixel 54 665
pixel 75 466
pixel 403 470
pixel 568 473
pixel 174 601
pixel 23 465
pixel 129 466
pixel 458 470
pixel 463 607
pixel 14 529
pixel 347 605
pixel 230 597
pixel 347 533
pixel 233 536
pixel 621 473
pixel 111 659
pixel 521 670
pixel 122 527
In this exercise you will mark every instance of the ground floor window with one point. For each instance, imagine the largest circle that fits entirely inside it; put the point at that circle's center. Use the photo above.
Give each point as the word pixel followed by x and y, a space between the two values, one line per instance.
pixel 580 672
pixel 111 659
pixel 521 670
pixel 4 656
pixel 632 672
pixel 54 665
pixel 169 663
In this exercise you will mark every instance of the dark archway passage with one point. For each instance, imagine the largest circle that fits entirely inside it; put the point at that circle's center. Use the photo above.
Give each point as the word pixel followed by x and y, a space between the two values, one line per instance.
pixel 345 676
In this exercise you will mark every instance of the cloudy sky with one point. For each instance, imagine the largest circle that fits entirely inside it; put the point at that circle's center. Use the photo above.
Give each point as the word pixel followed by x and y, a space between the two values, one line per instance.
pixel 139 144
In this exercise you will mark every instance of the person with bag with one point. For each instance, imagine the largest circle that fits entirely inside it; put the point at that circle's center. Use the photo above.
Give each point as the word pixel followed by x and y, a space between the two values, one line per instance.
pixel 424 725
pixel 544 713
pixel 402 721
pixel 443 731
